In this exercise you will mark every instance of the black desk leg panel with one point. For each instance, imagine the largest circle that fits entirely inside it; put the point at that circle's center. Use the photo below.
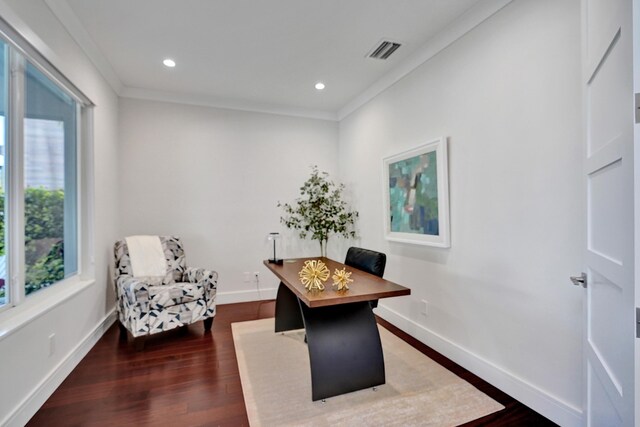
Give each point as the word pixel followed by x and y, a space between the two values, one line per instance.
pixel 288 315
pixel 345 351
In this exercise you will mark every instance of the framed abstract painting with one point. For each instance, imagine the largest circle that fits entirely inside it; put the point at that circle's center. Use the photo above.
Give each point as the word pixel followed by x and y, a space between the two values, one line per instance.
pixel 416 195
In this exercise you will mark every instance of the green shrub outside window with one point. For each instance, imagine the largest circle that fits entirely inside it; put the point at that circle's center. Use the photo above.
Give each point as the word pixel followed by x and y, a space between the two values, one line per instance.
pixel 44 248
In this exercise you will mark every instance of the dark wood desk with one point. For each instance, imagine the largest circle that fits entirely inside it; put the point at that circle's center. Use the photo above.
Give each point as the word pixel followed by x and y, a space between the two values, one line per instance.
pixel 344 344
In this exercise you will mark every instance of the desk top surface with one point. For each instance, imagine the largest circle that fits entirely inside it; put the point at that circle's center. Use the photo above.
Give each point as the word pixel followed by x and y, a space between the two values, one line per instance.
pixel 365 286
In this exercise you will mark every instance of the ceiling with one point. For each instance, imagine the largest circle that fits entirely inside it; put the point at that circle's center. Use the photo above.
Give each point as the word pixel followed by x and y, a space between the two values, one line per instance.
pixel 262 55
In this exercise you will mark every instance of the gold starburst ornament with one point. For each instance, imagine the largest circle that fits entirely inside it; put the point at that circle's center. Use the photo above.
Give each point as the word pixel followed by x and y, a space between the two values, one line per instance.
pixel 313 274
pixel 341 279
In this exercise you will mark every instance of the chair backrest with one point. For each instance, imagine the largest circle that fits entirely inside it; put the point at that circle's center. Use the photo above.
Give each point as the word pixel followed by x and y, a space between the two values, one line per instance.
pixel 172 249
pixel 366 260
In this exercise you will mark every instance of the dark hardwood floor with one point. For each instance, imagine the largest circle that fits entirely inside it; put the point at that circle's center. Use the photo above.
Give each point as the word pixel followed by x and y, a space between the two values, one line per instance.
pixel 188 378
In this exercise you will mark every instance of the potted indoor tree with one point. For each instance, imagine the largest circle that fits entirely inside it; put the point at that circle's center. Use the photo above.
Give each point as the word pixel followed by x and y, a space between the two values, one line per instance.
pixel 320 211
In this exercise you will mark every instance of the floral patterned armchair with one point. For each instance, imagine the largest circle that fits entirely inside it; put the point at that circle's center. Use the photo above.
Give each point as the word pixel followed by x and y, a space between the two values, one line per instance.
pixel 156 291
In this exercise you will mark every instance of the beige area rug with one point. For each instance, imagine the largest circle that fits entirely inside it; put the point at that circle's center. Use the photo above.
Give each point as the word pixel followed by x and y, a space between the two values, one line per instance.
pixel 276 383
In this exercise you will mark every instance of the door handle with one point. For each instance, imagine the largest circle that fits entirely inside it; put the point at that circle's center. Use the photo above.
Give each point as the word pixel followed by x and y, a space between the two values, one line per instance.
pixel 580 280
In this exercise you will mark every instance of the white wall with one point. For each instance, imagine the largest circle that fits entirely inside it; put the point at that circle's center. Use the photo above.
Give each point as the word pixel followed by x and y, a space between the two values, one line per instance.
pixel 27 373
pixel 214 177
pixel 507 96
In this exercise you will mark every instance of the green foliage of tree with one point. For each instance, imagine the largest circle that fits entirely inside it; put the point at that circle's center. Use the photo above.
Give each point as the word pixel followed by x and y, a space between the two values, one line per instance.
pixel 44 233
pixel 46 270
pixel 44 213
pixel 320 211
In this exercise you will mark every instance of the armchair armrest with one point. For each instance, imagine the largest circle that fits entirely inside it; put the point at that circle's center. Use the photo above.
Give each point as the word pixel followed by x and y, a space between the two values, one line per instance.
pixel 207 278
pixel 135 290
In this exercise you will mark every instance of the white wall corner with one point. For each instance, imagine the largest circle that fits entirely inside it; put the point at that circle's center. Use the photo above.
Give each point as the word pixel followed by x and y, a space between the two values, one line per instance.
pixel 13 19
pixel 473 17
pixel 541 401
pixel 39 395
pixel 76 30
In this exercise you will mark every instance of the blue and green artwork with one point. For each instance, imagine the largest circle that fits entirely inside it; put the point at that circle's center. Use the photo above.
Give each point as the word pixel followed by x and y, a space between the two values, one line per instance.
pixel 413 195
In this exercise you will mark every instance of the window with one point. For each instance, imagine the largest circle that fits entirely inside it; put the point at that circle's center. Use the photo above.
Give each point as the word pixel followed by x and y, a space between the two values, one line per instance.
pixel 40 118
pixel 49 182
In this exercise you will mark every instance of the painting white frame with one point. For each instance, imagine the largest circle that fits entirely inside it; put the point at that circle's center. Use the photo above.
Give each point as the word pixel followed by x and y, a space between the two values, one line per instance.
pixel 442 239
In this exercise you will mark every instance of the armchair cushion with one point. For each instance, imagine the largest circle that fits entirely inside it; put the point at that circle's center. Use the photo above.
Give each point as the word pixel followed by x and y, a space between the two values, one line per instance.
pixel 161 296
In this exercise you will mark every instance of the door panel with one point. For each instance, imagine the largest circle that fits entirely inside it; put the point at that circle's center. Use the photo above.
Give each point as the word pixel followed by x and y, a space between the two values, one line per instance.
pixel 606 241
pixel 605 122
pixel 609 253
pixel 636 137
pixel 602 408
pixel 604 294
pixel 602 23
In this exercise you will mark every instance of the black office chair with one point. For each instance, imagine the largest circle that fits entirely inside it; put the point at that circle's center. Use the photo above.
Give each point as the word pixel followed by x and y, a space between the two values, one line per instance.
pixel 366 260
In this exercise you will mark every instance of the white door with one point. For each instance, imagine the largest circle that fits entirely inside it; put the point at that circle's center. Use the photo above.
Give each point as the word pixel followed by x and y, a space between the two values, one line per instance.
pixel 636 85
pixel 609 338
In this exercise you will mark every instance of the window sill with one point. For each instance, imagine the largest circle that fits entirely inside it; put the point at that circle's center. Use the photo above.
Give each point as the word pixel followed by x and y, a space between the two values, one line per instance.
pixel 14 318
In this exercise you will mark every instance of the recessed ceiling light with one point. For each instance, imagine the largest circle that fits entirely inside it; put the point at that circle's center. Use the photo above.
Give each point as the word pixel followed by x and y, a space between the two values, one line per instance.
pixel 319 85
pixel 169 63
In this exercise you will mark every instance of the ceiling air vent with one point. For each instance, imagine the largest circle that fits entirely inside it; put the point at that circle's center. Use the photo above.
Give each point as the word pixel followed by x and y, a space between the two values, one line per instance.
pixel 384 50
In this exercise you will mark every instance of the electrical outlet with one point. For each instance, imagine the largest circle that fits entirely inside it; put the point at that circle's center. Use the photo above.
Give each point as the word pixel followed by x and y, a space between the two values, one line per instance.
pixel 424 309
pixel 256 276
pixel 247 277
pixel 52 344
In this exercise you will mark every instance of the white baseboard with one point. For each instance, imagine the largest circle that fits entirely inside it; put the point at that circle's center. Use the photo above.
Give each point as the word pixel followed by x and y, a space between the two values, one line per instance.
pixel 30 405
pixel 245 296
pixel 542 402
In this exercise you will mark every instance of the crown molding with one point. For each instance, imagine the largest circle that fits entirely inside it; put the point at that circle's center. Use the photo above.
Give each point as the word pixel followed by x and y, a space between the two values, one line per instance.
pixel 473 17
pixel 74 27
pixel 229 104
pixel 77 31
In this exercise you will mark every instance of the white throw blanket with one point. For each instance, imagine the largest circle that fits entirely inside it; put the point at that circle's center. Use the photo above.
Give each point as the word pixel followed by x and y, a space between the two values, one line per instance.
pixel 147 256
